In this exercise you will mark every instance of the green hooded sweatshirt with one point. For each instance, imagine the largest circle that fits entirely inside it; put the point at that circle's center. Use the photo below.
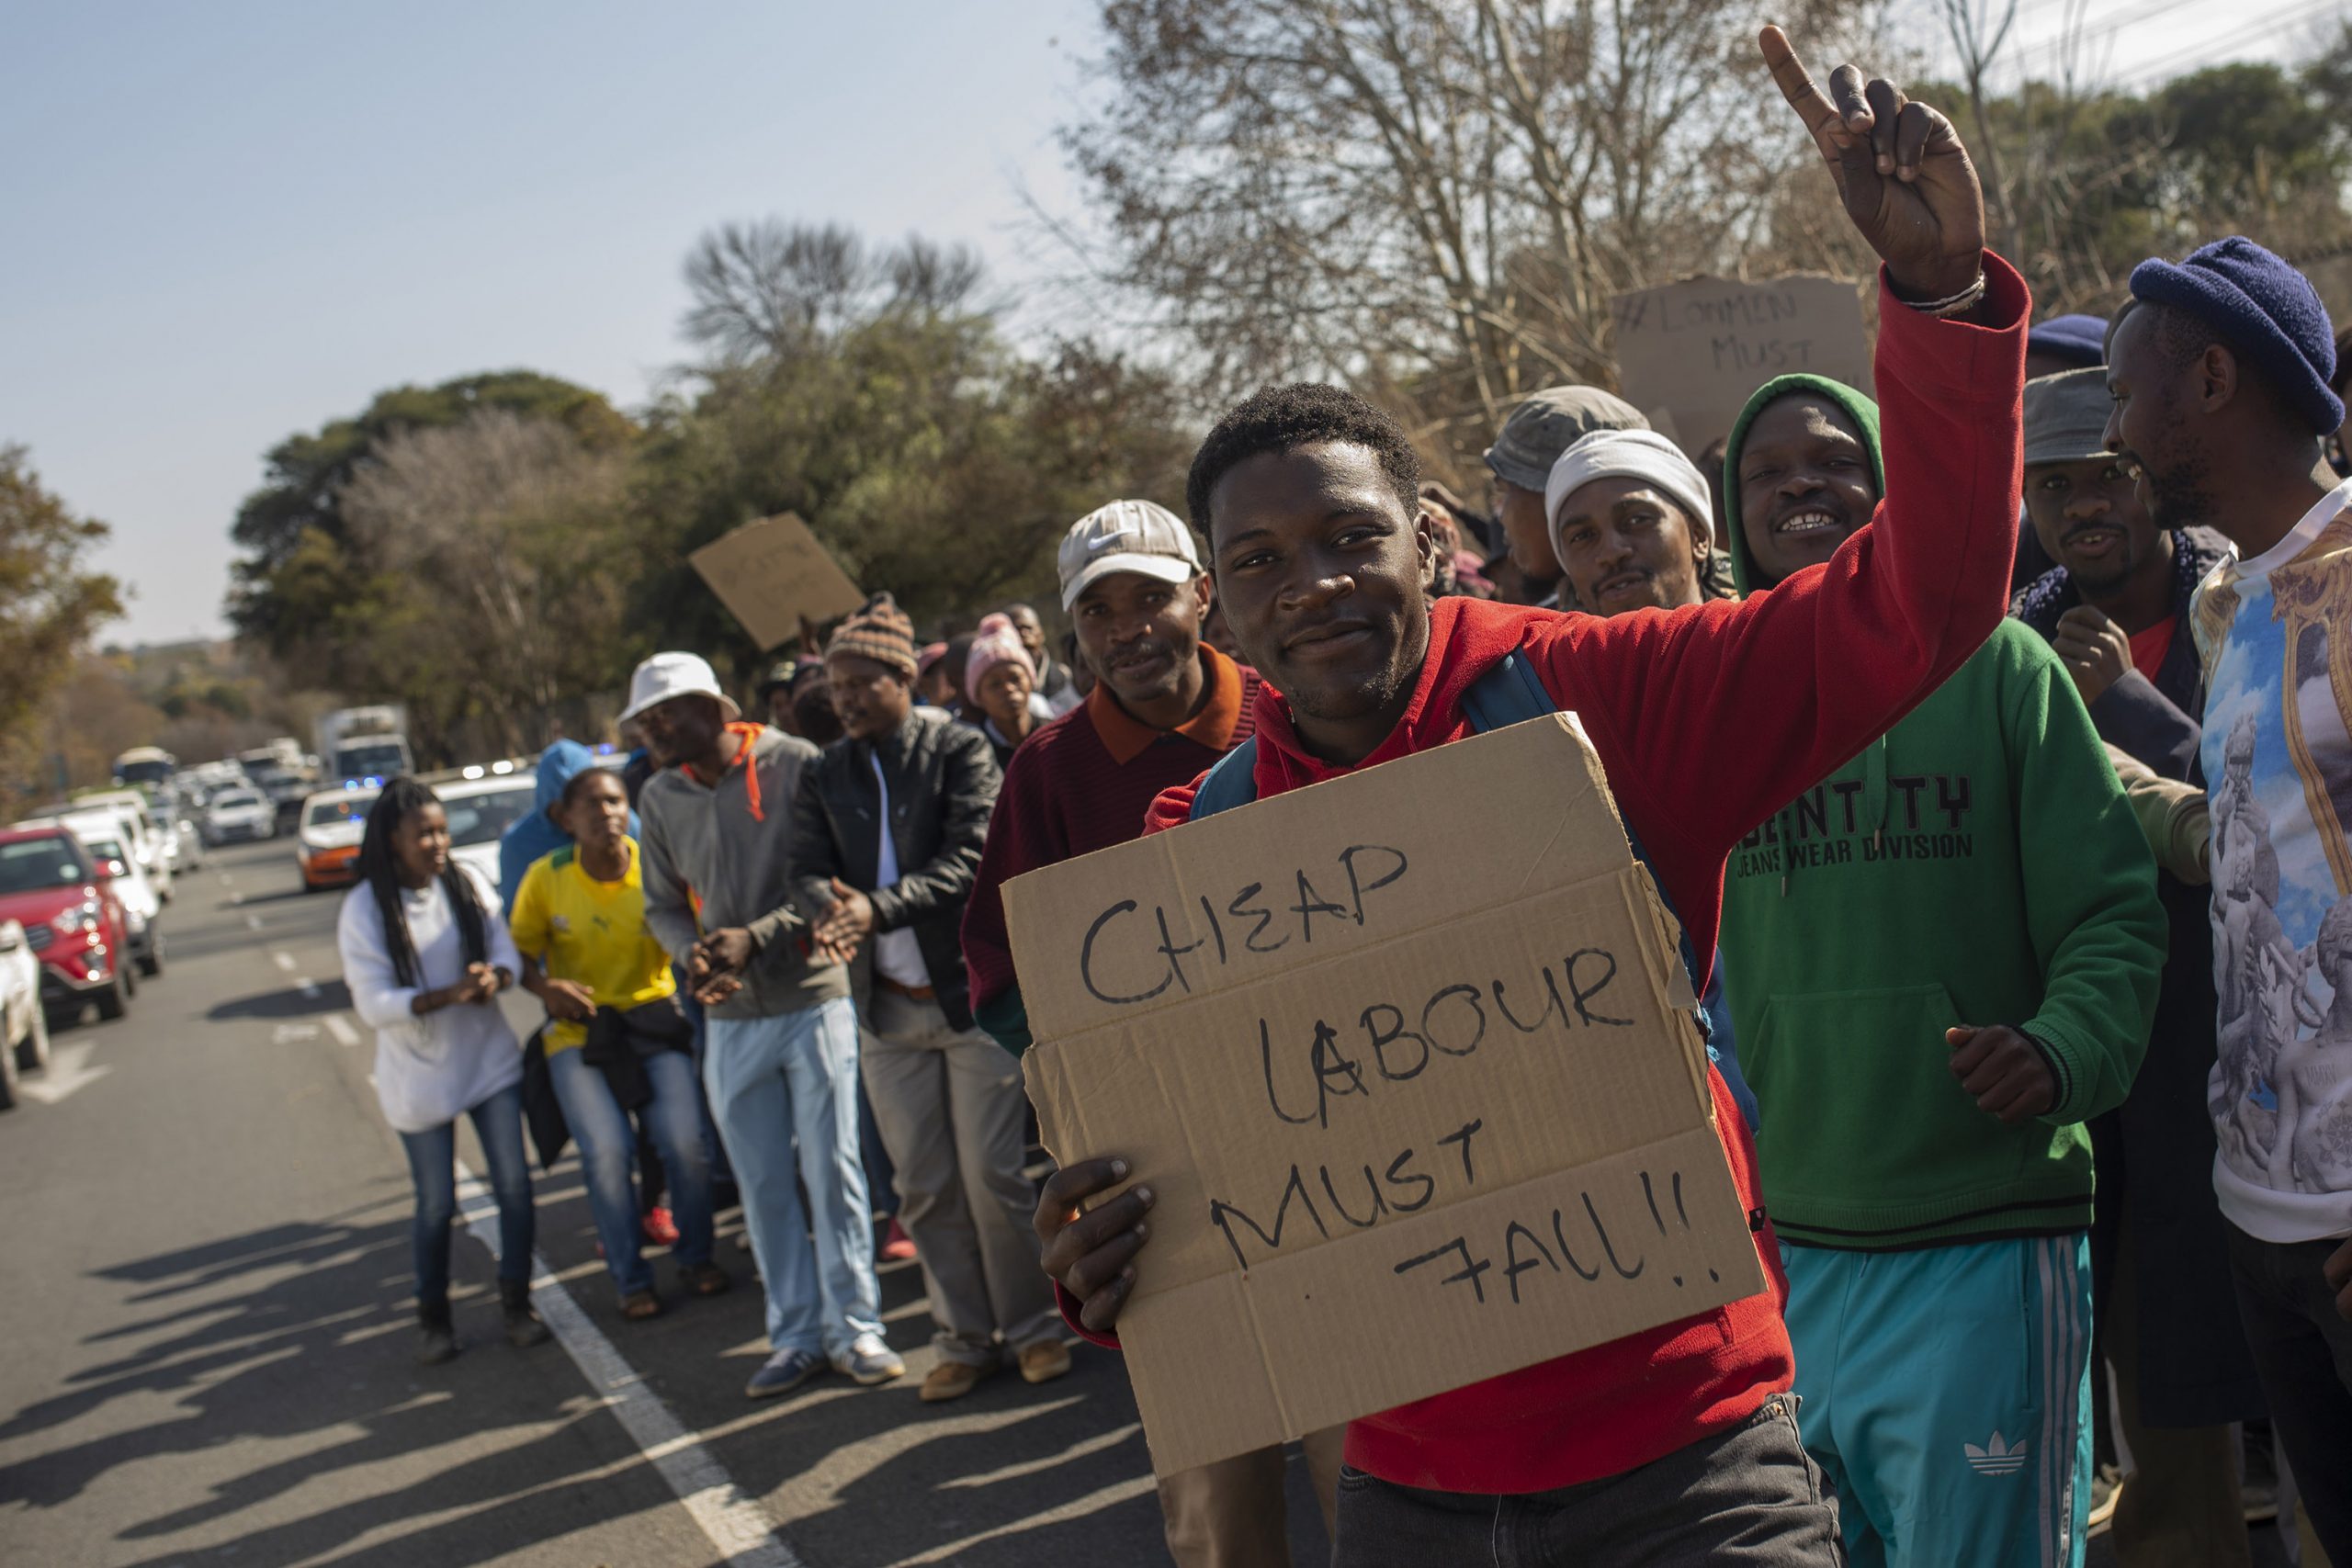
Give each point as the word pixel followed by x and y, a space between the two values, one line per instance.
pixel 1977 864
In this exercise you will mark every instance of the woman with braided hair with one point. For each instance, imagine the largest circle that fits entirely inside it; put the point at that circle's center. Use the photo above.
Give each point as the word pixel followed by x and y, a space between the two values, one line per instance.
pixel 425 954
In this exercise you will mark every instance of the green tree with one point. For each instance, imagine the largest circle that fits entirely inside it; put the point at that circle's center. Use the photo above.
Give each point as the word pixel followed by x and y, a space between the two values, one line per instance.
pixel 289 591
pixel 50 603
pixel 2097 178
pixel 869 393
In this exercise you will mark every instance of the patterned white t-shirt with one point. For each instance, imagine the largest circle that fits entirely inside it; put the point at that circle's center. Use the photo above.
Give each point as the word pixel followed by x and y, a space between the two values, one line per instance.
pixel 2276 636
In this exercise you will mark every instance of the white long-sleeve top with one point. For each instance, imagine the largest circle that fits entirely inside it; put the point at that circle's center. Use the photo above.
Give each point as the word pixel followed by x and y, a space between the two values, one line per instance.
pixel 428 1069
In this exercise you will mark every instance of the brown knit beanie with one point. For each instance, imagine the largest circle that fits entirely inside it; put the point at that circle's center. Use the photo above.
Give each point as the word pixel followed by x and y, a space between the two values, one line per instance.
pixel 878 630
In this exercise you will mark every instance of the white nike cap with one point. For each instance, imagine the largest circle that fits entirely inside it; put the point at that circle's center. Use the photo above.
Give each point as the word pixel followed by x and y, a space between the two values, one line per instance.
pixel 667 675
pixel 1127 536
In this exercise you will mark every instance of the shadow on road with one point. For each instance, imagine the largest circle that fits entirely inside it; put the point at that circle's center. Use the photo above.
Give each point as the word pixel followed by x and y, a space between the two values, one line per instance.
pixel 328 996
pixel 290 1347
pixel 284 895
pixel 277 1367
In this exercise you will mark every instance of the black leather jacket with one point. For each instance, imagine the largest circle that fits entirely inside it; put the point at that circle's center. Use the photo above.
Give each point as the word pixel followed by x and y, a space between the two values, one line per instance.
pixel 943 784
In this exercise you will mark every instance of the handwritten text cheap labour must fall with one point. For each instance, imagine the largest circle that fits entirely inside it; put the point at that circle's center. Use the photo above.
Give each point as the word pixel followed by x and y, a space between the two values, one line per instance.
pixel 1130 957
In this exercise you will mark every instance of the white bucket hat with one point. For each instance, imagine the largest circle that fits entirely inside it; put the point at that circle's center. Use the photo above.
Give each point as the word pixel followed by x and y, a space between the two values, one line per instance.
pixel 667 675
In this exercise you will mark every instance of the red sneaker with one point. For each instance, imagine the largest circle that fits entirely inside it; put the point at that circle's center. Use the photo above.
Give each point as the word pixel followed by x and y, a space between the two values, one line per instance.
pixel 659 1228
pixel 897 1245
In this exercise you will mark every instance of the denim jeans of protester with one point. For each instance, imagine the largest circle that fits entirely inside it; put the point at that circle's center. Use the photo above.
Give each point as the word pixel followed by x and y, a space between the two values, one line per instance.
pixel 433 1166
pixel 673 1118
pixel 784 1089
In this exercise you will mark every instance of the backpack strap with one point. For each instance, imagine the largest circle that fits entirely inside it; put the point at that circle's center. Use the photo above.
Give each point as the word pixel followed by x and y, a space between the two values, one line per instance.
pixel 1510 692
pixel 1231 781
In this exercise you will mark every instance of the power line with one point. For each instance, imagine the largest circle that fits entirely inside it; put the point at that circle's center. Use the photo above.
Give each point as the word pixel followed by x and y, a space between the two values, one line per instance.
pixel 2054 44
pixel 2276 24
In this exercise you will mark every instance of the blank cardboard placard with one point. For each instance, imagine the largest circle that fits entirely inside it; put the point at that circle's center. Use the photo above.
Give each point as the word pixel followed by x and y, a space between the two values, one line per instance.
pixel 1698 348
pixel 773 572
pixel 1422 1102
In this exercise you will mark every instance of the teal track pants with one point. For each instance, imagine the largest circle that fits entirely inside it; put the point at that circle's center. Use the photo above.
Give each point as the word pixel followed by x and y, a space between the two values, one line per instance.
pixel 1947 1394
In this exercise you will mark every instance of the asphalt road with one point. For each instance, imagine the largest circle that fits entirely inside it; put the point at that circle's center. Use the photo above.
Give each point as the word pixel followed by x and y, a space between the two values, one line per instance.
pixel 205 1290
pixel 205 1295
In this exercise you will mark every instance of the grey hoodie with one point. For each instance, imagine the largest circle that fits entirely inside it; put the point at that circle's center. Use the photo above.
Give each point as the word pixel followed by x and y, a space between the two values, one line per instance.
pixel 706 839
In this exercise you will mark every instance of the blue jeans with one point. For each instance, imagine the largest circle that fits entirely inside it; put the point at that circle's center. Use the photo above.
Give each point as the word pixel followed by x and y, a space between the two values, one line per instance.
pixel 433 1166
pixel 608 1158
pixel 776 1083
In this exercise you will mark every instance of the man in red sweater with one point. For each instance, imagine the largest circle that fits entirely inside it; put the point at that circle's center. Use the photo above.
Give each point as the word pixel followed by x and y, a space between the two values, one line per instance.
pixel 1677 1444
pixel 1164 707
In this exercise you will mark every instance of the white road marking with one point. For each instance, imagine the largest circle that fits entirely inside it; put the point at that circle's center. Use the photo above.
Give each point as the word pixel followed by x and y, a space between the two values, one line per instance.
pixel 69 1072
pixel 253 922
pixel 734 1523
pixel 282 958
pixel 293 1033
pixel 340 1027
pixel 308 986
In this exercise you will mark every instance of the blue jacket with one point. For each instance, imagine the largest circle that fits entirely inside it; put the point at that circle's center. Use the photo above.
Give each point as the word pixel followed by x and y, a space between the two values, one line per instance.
pixel 535 836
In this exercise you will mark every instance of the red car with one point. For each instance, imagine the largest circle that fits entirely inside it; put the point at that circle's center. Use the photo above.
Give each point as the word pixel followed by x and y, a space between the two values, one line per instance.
pixel 73 921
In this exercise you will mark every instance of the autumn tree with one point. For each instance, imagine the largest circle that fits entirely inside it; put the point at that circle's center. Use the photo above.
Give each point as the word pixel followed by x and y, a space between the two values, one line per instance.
pixel 51 603
pixel 503 557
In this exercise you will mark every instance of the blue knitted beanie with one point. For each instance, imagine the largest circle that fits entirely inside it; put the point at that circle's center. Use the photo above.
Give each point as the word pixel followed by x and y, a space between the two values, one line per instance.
pixel 2260 307
pixel 2081 341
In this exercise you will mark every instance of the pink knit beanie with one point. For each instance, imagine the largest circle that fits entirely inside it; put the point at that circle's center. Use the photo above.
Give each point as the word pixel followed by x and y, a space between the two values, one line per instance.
pixel 996 643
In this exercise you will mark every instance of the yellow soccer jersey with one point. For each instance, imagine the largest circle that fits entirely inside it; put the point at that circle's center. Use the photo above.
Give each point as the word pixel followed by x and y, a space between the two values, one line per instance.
pixel 592 933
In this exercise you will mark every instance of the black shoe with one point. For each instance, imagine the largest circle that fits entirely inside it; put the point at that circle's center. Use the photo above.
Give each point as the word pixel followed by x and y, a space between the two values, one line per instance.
pixel 523 1328
pixel 440 1342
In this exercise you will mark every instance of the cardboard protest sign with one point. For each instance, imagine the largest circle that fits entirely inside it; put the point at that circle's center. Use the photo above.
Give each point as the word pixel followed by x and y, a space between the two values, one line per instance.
pixel 771 573
pixel 1689 353
pixel 1422 1102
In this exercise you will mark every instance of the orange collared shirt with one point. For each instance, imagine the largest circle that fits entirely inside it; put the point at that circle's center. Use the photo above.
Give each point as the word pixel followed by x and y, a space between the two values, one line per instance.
pixel 1213 727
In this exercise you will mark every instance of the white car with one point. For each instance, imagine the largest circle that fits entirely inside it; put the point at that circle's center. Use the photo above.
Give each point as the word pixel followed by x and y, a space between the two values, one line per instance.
pixel 326 844
pixel 480 810
pixel 23 1019
pixel 107 835
pixel 240 813
pixel 190 839
pixel 147 842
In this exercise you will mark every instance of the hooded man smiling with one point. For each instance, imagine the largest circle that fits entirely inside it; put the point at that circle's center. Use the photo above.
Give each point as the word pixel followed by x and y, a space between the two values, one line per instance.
pixel 1677 1444
pixel 1942 959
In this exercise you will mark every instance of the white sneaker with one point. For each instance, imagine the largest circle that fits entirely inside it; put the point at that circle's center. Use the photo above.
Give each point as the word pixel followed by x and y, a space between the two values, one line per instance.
pixel 869 1361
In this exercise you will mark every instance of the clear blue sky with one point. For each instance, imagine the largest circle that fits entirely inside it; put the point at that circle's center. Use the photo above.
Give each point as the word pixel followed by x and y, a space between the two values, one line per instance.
pixel 230 222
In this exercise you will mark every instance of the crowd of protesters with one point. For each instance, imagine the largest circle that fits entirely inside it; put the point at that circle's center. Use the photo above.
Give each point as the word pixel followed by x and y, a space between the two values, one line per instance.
pixel 2024 941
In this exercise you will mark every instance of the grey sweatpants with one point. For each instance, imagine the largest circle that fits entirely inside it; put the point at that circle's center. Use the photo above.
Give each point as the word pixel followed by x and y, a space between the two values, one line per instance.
pixel 949 1104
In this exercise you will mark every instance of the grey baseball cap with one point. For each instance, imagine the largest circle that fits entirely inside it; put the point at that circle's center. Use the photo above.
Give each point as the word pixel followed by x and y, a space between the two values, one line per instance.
pixel 1127 536
pixel 2066 416
pixel 1547 424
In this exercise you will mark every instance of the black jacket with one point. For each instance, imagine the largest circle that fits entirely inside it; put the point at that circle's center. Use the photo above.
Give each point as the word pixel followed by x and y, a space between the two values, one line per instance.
pixel 943 783
pixel 2157 721
pixel 2155 1151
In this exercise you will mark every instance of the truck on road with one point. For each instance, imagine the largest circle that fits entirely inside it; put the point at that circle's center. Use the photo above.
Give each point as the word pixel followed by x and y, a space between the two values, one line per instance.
pixel 363 746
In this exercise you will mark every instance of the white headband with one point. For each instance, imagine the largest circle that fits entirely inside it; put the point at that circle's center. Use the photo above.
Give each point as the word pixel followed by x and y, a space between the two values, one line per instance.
pixel 1626 454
